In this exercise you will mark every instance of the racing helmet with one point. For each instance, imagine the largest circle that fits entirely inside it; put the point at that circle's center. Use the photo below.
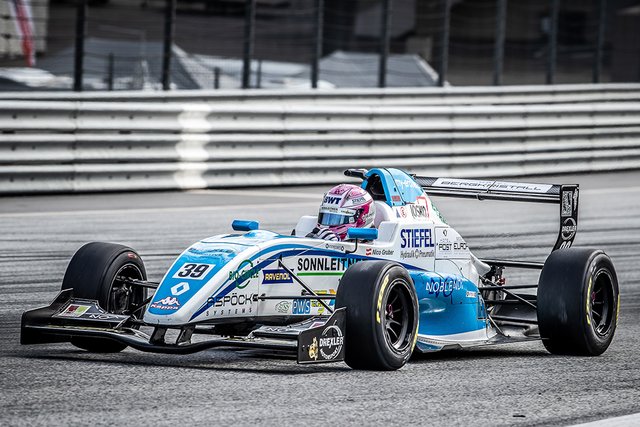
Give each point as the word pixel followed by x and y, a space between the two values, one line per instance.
pixel 346 206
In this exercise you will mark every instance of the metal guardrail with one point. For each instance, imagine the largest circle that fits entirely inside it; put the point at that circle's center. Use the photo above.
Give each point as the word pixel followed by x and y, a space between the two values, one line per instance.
pixel 538 94
pixel 68 146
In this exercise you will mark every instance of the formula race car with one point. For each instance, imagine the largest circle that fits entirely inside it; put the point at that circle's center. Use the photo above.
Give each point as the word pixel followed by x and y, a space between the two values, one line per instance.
pixel 410 283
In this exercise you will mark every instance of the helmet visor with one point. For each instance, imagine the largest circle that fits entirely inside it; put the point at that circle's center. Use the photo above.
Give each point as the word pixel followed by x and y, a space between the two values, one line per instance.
pixel 334 219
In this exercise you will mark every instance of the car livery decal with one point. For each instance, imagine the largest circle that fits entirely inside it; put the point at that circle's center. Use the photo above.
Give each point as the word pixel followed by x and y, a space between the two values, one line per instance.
pixel 189 273
pixel 284 251
pixel 450 303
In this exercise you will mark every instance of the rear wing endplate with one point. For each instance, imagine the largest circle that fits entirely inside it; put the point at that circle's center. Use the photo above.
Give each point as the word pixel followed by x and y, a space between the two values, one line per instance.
pixel 564 195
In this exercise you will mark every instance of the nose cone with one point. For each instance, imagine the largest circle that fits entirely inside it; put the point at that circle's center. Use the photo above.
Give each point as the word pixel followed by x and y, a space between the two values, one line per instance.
pixel 196 270
pixel 207 268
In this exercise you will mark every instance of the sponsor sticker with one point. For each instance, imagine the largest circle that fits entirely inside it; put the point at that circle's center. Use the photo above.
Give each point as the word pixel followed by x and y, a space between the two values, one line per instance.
pixel 521 187
pixel 569 229
pixel 330 342
pixel 283 306
pixel 416 253
pixel 334 246
pixel 102 316
pixel 233 299
pixel 450 244
pixel 473 184
pixel 317 304
pixel 418 211
pixel 245 271
pixel 179 289
pixel 337 210
pixel 276 276
pixel 463 183
pixel 313 349
pixel 567 203
pixel 444 287
pixel 167 303
pixel 379 252
pixel 416 238
pixel 331 200
pixel 301 306
pixel 324 265
pixel 75 310
pixel 202 249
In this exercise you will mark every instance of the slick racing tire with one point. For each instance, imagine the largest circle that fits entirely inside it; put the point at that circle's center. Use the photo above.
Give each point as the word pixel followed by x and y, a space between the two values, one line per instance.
pixel 578 302
pixel 382 315
pixel 94 273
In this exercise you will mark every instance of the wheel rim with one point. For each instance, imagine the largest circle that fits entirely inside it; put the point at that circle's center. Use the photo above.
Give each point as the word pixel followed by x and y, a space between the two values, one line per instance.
pixel 602 303
pixel 398 319
pixel 121 295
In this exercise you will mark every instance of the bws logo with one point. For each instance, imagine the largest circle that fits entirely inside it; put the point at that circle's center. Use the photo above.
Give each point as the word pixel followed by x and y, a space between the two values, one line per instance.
pixel 416 238
pixel 331 200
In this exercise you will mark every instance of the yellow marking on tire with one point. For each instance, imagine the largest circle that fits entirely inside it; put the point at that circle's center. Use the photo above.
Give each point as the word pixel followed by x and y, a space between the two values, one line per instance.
pixel 415 337
pixel 588 300
pixel 385 282
pixel 618 309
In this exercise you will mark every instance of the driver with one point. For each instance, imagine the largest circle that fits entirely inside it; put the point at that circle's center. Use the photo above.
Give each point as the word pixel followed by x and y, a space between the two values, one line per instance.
pixel 343 207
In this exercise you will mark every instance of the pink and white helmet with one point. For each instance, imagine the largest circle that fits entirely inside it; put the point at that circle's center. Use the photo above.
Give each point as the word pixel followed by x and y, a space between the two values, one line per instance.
pixel 346 206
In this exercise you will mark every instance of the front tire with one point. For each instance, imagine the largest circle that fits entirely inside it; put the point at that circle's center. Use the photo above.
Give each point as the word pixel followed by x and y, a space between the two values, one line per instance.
pixel 578 302
pixel 95 273
pixel 382 315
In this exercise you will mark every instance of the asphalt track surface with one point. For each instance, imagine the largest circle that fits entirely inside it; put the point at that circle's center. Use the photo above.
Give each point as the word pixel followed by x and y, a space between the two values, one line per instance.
pixel 516 384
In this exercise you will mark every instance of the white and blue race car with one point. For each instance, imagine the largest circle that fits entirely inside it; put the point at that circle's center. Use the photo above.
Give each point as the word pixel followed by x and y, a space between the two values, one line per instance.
pixel 408 284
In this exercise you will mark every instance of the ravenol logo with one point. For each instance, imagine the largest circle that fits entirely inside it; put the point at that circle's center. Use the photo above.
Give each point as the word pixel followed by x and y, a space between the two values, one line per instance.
pixel 272 277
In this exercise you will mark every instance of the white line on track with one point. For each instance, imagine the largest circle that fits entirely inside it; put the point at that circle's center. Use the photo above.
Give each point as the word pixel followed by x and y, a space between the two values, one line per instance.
pixel 284 194
pixel 624 421
pixel 258 206
pixel 611 190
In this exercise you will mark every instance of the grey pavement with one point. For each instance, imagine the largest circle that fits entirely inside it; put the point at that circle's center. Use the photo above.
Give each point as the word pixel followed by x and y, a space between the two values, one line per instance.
pixel 516 384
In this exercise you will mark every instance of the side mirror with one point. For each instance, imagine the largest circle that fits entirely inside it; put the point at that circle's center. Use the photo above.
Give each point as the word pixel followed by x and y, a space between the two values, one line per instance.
pixel 244 225
pixel 362 233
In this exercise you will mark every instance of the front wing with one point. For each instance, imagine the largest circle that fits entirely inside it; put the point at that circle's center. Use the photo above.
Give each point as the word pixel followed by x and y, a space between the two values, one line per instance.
pixel 315 340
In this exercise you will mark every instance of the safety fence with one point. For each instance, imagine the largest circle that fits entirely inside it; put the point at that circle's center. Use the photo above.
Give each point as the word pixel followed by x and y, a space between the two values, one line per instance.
pixel 207 44
pixel 95 145
pixel 574 93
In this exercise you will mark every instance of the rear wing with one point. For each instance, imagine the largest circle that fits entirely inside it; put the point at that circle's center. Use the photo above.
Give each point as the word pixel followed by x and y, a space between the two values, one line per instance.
pixel 564 195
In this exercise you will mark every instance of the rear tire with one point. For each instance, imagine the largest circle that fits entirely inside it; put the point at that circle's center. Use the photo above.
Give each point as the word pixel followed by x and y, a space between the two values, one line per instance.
pixel 92 274
pixel 382 315
pixel 578 302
